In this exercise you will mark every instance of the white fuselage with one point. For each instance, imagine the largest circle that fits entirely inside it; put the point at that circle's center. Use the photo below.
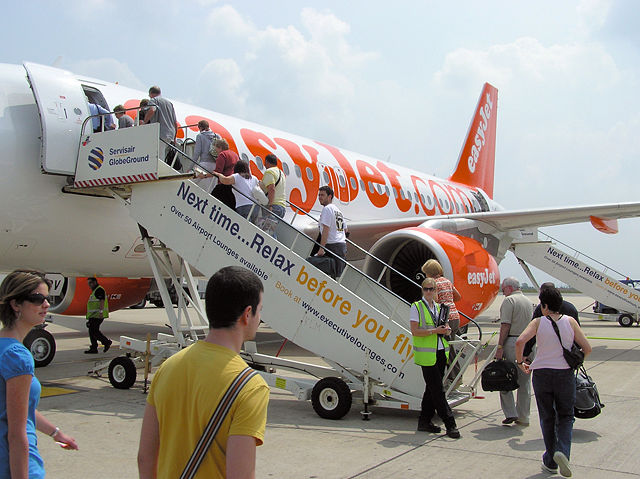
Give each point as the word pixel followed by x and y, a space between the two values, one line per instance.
pixel 42 227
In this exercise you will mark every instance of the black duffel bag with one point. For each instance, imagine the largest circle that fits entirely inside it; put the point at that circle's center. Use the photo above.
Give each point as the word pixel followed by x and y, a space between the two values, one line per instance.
pixel 588 403
pixel 500 375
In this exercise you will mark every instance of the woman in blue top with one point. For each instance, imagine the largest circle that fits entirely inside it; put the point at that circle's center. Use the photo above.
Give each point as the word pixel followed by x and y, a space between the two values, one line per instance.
pixel 23 305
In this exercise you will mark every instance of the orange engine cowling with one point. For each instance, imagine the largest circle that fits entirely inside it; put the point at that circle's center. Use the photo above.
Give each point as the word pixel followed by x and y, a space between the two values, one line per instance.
pixel 472 269
pixel 121 293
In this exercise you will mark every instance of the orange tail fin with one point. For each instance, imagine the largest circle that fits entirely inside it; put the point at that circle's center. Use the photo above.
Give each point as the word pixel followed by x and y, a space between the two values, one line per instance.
pixel 477 158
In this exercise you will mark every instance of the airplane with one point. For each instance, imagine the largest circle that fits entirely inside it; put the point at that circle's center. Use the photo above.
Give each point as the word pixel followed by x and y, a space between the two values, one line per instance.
pixel 400 215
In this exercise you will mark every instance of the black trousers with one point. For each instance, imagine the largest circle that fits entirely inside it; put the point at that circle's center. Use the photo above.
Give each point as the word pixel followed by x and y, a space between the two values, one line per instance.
pixel 225 194
pixel 94 332
pixel 433 399
pixel 337 249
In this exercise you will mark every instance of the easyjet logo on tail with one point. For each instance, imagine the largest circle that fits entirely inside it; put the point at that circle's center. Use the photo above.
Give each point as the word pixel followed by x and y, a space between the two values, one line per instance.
pixel 480 140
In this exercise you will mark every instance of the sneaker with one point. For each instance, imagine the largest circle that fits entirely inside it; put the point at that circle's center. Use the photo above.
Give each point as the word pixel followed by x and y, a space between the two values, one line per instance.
pixel 429 427
pixel 548 469
pixel 453 432
pixel 509 420
pixel 107 346
pixel 563 463
pixel 91 351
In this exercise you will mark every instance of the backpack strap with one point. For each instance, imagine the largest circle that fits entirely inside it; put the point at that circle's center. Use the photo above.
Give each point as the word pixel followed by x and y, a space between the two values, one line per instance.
pixel 217 418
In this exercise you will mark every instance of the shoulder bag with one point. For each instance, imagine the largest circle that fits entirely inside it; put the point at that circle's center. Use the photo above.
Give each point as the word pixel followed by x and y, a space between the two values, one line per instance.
pixel 574 357
pixel 217 418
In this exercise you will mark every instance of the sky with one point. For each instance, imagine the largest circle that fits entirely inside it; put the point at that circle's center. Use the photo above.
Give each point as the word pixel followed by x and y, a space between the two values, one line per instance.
pixel 397 81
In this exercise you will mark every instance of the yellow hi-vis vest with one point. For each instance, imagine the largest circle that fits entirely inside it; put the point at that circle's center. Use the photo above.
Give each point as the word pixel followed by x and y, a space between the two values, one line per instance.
pixel 425 347
pixel 93 305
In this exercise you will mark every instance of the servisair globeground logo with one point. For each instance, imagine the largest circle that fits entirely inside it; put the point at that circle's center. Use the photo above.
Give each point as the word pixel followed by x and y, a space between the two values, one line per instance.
pixel 96 157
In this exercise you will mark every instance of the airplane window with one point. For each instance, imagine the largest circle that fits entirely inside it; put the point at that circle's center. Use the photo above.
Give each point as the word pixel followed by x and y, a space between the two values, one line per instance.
pixel 362 185
pixel 402 194
pixel 408 195
pixel 244 157
pixel 444 204
pixel 309 174
pixel 343 182
pixel 379 188
pixel 386 190
pixel 259 163
pixel 285 167
pixel 430 202
pixel 395 193
pixel 415 196
pixel 298 171
pixel 354 183
pixel 422 198
pixel 325 176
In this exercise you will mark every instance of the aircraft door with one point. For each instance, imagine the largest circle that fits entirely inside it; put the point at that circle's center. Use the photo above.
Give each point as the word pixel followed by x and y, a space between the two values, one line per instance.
pixel 63 107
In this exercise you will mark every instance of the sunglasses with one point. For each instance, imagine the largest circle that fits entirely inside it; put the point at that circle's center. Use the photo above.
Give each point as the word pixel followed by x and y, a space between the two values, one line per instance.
pixel 36 298
pixel 428 289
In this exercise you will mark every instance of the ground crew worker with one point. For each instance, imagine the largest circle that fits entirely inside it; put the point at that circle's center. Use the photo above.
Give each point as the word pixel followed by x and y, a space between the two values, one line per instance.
pixel 97 311
pixel 430 352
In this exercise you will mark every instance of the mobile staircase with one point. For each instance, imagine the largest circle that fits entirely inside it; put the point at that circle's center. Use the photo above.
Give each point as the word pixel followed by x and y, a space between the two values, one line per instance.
pixel 356 325
pixel 580 271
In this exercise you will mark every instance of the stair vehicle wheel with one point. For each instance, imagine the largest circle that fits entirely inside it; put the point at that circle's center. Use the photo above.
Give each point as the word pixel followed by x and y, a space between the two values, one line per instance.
pixel 122 372
pixel 625 320
pixel 42 346
pixel 331 398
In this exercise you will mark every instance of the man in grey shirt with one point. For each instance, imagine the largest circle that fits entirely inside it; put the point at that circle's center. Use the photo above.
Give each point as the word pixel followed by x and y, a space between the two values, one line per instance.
pixel 161 111
pixel 124 120
pixel 515 314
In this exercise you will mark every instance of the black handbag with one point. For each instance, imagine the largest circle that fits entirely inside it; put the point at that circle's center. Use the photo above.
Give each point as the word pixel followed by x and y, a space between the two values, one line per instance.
pixel 588 403
pixel 574 356
pixel 500 375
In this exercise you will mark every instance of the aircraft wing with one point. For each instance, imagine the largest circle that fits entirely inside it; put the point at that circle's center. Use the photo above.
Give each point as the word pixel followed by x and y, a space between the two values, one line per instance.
pixel 367 232
pixel 507 220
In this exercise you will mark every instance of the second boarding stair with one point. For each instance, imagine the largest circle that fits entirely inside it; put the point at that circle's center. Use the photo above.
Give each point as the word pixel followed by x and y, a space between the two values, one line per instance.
pixel 357 326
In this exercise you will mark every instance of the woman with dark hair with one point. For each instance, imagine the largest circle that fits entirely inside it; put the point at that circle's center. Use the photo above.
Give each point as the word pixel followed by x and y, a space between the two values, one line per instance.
pixel 244 183
pixel 23 305
pixel 554 381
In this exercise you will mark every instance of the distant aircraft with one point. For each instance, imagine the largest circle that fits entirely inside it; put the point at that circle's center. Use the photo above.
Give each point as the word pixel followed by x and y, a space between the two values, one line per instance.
pixel 400 215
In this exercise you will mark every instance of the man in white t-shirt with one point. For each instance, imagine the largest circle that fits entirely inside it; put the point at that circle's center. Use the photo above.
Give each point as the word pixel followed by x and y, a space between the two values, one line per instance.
pixel 333 229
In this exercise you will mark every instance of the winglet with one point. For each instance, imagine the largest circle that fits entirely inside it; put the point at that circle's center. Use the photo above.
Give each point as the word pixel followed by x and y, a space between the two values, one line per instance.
pixel 477 158
pixel 604 225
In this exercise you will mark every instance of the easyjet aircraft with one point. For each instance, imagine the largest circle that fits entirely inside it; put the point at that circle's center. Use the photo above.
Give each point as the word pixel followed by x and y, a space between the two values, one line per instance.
pixel 402 216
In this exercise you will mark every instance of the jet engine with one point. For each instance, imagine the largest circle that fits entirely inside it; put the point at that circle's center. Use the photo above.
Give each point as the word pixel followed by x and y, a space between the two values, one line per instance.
pixel 70 295
pixel 464 260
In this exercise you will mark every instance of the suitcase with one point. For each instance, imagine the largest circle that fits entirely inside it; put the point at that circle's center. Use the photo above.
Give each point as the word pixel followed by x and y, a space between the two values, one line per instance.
pixel 325 263
pixel 500 375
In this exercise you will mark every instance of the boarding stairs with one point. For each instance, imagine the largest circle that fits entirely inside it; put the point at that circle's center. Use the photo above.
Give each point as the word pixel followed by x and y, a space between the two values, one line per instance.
pixel 356 325
pixel 579 271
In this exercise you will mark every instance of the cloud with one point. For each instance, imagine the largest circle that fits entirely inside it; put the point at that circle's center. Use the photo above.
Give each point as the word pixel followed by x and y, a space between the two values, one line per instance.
pixel 286 77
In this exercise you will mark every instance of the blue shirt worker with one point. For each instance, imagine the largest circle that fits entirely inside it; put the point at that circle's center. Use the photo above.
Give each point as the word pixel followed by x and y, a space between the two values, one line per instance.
pixel 97 121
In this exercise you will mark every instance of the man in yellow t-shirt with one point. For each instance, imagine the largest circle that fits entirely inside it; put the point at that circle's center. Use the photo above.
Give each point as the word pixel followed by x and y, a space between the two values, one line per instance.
pixel 273 184
pixel 188 386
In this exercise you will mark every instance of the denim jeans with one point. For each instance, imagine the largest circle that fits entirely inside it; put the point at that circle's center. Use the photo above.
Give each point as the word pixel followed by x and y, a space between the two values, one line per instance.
pixel 555 391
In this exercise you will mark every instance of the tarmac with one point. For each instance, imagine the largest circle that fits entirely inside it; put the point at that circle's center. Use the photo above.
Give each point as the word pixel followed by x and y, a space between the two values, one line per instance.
pixel 299 444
